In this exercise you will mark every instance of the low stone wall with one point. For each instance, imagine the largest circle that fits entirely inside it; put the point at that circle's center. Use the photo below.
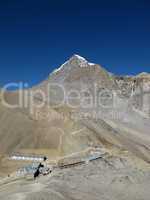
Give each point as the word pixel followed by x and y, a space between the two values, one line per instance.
pixel 26 157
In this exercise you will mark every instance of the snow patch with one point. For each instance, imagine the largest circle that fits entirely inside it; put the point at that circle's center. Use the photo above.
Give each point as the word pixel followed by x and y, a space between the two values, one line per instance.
pixel 60 68
pixel 79 57
pixel 91 64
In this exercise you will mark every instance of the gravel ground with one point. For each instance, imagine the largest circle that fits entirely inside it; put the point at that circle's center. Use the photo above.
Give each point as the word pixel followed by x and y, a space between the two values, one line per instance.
pixel 105 179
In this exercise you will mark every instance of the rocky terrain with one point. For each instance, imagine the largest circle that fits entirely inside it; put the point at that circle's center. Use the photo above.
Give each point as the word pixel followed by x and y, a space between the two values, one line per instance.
pixel 110 178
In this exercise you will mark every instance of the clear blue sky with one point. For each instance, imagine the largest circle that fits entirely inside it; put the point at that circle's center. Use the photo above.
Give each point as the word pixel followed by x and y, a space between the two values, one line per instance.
pixel 37 36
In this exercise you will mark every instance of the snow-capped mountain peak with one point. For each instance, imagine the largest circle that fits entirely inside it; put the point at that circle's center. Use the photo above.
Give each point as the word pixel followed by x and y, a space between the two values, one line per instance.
pixel 76 56
pixel 82 62
pixel 74 61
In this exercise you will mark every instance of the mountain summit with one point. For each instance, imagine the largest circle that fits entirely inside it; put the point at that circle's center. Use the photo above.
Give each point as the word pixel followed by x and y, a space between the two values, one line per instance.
pixel 75 61
pixel 78 71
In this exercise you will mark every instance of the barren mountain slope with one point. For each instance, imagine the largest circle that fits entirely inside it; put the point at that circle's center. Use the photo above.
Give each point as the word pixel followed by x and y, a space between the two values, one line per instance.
pixel 49 128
